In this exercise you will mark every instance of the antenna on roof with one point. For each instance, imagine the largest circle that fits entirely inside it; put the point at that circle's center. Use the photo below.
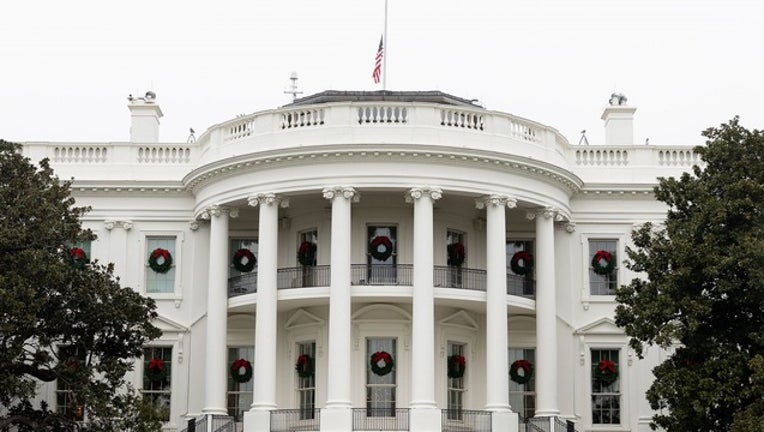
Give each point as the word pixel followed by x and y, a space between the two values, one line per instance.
pixel 293 87
pixel 583 139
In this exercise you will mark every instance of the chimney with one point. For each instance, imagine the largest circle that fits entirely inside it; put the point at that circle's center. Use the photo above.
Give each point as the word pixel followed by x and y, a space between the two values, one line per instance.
pixel 144 118
pixel 619 121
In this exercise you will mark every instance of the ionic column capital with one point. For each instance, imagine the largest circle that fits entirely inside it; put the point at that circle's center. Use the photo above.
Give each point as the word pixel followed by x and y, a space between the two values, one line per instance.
pixel 217 210
pixel 346 192
pixel 124 224
pixel 417 192
pixel 495 200
pixel 267 199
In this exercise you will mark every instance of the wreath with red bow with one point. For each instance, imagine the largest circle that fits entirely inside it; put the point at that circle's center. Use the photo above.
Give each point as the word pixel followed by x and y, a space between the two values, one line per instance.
pixel 521 263
pixel 606 372
pixel 244 260
pixel 160 260
pixel 306 253
pixel 521 365
pixel 456 366
pixel 78 257
pixel 456 254
pixel 304 366
pixel 597 262
pixel 381 363
pixel 381 248
pixel 241 370
pixel 156 370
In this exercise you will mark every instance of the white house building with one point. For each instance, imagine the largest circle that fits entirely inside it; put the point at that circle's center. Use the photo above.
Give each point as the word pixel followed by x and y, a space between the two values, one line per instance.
pixel 359 261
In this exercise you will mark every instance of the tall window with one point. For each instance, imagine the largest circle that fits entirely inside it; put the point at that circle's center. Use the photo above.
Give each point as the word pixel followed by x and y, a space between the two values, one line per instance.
pixel 240 393
pixel 308 258
pixel 606 398
pixel 157 381
pixel 66 401
pixel 382 256
pixel 520 276
pixel 306 386
pixel 603 283
pixel 157 282
pixel 380 389
pixel 522 397
pixel 456 387
pixel 455 244
pixel 311 237
pixel 237 244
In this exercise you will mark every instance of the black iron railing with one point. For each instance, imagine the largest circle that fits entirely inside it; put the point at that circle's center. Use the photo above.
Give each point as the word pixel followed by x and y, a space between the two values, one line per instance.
pixel 465 421
pixel 459 277
pixel 380 419
pixel 219 423
pixel 561 425
pixel 381 274
pixel 303 277
pixel 537 424
pixel 289 420
pixel 243 284
pixel 520 286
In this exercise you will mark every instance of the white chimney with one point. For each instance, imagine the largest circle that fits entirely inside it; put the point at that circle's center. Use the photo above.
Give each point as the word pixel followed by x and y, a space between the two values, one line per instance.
pixel 619 121
pixel 144 118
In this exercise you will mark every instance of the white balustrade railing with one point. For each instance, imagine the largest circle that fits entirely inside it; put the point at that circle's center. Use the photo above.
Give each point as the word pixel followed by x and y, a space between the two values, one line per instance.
pixel 302 118
pixel 79 154
pixel 603 156
pixel 382 114
pixel 164 154
pixel 461 118
pixel 239 130
pixel 524 131
pixel 678 158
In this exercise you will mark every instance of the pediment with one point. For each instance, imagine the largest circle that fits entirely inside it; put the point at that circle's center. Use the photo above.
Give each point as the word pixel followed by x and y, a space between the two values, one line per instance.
pixel 460 319
pixel 302 318
pixel 166 325
pixel 603 326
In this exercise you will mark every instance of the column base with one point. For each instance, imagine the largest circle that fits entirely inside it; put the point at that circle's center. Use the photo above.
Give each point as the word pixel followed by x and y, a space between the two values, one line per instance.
pixel 215 411
pixel 257 420
pixel 336 419
pixel 425 419
pixel 505 421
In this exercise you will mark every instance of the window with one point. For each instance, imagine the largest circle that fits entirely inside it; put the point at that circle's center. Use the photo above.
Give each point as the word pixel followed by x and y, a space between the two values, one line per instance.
pixel 240 394
pixel 66 401
pixel 520 282
pixel 603 284
pixel 382 257
pixel 456 387
pixel 307 258
pixel 235 245
pixel 455 257
pixel 310 237
pixel 522 397
pixel 380 389
pixel 306 386
pixel 157 282
pixel 157 384
pixel 606 398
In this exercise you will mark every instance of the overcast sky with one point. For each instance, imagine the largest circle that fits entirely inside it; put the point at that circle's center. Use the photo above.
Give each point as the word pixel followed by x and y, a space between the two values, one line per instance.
pixel 67 66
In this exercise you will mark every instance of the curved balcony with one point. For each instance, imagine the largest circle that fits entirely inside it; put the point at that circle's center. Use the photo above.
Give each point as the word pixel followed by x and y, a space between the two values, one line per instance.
pixel 398 274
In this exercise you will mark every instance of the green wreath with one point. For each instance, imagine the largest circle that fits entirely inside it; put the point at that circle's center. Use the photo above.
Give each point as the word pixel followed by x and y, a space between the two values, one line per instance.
pixel 304 366
pixel 306 253
pixel 78 257
pixel 241 370
pixel 156 370
pixel 385 243
pixel 603 255
pixel 154 258
pixel 456 254
pixel 456 366
pixel 527 263
pixel 240 256
pixel 381 357
pixel 521 365
pixel 606 372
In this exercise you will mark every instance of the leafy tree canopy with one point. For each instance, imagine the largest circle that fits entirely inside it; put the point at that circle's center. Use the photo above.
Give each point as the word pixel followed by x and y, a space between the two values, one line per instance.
pixel 59 320
pixel 704 290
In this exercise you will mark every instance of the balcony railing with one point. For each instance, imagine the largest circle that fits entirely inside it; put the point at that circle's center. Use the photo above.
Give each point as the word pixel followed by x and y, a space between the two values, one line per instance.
pixel 520 286
pixel 380 419
pixel 465 421
pixel 459 277
pixel 381 274
pixel 290 420
pixel 243 284
pixel 304 277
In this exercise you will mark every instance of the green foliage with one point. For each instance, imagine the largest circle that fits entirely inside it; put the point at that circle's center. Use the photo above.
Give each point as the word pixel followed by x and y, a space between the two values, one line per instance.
pixel 704 289
pixel 59 321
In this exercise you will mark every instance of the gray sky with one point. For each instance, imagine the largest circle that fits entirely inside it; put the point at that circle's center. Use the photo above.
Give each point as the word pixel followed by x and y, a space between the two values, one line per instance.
pixel 68 66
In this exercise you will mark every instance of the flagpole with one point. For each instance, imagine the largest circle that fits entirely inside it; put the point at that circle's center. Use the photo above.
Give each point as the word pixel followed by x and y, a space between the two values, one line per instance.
pixel 387 52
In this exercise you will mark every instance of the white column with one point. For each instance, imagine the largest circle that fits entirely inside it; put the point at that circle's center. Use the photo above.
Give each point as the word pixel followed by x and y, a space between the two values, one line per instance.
pixel 338 413
pixel 546 316
pixel 424 413
pixel 265 366
pixel 118 248
pixel 497 342
pixel 217 312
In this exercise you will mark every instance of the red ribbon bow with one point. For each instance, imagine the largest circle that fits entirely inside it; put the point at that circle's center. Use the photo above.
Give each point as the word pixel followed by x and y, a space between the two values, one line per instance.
pixel 164 253
pixel 603 255
pixel 381 356
pixel 458 359
pixel 240 363
pixel 77 253
pixel 523 364
pixel 156 365
pixel 607 366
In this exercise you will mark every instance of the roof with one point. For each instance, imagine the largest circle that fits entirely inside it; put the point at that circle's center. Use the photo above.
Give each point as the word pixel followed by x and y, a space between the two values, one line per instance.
pixel 431 96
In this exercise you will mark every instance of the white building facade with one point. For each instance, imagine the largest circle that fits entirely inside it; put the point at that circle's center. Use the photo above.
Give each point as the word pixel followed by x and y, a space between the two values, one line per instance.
pixel 377 261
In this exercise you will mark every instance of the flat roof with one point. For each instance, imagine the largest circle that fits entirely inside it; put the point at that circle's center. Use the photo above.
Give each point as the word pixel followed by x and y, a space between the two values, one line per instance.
pixel 431 96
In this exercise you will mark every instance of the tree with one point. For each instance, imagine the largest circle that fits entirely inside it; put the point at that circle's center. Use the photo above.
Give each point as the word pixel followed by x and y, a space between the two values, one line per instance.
pixel 62 318
pixel 704 291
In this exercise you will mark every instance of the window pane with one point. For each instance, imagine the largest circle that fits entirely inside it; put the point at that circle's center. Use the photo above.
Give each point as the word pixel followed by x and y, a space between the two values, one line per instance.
pixel 240 394
pixel 235 245
pixel 522 397
pixel 603 284
pixel 606 398
pixel 160 282
pixel 380 390
pixel 157 387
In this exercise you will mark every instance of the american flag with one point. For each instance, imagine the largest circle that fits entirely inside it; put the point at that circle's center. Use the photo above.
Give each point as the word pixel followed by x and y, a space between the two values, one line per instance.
pixel 377 73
